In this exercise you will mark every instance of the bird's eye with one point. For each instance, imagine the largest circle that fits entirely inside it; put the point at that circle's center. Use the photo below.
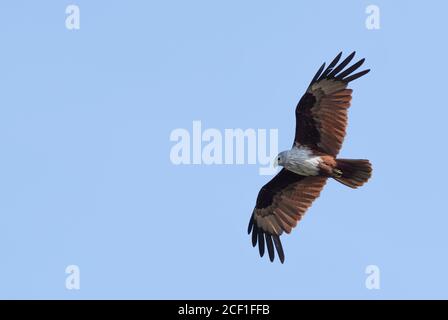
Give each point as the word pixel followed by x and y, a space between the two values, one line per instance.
pixel 278 159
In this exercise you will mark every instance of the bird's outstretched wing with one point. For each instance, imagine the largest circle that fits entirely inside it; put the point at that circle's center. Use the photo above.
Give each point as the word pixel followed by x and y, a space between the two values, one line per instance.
pixel 281 203
pixel 321 114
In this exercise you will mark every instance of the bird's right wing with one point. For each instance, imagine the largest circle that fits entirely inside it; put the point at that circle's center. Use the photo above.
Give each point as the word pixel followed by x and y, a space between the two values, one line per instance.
pixel 281 203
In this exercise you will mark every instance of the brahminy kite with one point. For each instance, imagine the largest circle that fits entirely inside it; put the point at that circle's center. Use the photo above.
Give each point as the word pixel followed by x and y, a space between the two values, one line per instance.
pixel 321 121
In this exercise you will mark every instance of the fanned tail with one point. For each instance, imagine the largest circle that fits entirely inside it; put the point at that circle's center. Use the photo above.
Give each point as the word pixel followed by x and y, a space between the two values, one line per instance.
pixel 352 173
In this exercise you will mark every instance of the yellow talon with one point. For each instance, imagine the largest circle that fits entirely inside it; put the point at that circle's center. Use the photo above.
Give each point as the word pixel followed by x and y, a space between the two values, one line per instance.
pixel 337 173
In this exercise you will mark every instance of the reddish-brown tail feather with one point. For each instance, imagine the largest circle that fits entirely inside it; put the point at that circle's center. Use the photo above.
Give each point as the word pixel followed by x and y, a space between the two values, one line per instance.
pixel 354 172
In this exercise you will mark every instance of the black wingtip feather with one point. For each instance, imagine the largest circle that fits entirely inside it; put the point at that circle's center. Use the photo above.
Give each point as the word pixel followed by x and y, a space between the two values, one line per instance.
pixel 349 70
pixel 254 235
pixel 341 65
pixel 356 75
pixel 270 247
pixel 261 243
pixel 279 248
pixel 251 224
pixel 330 66
pixel 316 76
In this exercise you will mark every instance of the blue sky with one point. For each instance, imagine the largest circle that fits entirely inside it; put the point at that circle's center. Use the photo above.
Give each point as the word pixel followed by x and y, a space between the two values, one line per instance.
pixel 85 173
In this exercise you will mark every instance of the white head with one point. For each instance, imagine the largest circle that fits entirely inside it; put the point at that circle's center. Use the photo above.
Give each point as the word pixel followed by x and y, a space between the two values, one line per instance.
pixel 281 158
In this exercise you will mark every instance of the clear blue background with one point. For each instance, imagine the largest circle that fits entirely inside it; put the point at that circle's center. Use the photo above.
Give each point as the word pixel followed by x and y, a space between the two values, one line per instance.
pixel 85 174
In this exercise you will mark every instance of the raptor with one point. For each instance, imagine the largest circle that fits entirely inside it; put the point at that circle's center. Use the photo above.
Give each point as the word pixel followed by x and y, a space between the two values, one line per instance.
pixel 321 121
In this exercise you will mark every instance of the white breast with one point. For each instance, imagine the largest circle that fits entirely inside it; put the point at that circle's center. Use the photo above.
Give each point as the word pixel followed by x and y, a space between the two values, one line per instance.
pixel 301 160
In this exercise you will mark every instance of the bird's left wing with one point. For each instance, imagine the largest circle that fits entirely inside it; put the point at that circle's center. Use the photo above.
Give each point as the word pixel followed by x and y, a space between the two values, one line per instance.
pixel 281 203
pixel 321 114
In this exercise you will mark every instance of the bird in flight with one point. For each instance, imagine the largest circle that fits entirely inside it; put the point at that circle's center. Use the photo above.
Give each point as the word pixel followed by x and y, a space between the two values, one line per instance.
pixel 321 121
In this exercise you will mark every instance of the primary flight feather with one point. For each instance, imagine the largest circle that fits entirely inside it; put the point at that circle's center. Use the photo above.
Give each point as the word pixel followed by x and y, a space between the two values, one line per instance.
pixel 321 121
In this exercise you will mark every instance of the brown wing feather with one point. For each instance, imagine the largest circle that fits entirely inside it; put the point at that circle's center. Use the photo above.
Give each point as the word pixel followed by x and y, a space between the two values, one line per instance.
pixel 281 203
pixel 321 114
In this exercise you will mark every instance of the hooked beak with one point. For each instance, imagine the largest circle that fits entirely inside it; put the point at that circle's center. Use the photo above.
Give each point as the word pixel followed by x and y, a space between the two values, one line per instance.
pixel 275 163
